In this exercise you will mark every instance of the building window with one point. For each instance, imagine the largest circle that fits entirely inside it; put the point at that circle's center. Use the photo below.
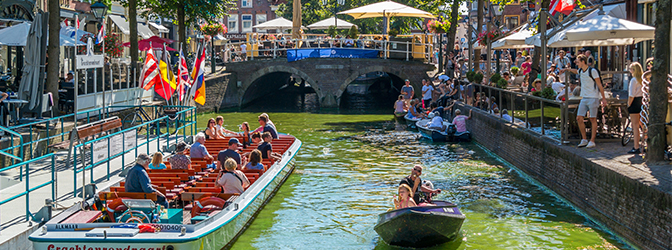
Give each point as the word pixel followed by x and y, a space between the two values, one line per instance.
pixel 247 23
pixel 246 3
pixel 474 6
pixel 260 19
pixel 511 22
pixel 233 23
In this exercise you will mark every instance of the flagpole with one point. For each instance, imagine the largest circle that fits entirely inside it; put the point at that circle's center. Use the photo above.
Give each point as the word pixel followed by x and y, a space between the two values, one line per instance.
pixel 103 41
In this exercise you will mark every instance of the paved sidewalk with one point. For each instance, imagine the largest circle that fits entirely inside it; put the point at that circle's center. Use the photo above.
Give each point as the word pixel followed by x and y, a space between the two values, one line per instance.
pixel 14 229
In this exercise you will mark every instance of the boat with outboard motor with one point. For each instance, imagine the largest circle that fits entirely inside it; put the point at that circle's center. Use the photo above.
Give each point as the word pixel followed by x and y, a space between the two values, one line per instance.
pixel 200 217
pixel 450 135
pixel 421 226
pixel 410 121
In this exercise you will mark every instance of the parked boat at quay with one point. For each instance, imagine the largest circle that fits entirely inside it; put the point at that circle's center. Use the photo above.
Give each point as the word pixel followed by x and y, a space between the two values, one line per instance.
pixel 88 226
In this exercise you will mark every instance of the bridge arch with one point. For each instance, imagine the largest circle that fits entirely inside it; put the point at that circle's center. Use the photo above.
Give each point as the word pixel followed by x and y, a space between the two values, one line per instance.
pixel 257 75
pixel 376 68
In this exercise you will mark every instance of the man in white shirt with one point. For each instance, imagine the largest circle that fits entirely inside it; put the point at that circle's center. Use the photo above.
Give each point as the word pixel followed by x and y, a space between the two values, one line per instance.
pixel 591 91
pixel 427 90
pixel 243 51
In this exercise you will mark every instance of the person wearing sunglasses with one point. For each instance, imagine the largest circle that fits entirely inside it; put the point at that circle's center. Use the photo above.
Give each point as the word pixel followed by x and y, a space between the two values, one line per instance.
pixel 211 130
pixel 414 181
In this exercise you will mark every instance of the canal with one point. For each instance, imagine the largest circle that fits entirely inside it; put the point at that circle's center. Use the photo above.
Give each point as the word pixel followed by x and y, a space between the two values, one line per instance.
pixel 349 167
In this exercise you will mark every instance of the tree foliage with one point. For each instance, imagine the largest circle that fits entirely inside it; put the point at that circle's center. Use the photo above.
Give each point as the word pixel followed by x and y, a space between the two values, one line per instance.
pixel 314 11
pixel 208 10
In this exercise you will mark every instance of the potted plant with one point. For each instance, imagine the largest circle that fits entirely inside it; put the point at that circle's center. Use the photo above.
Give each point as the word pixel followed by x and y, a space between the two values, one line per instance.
pixel 514 70
pixel 438 26
pixel 478 78
pixel 494 79
pixel 488 36
pixel 470 76
pixel 502 83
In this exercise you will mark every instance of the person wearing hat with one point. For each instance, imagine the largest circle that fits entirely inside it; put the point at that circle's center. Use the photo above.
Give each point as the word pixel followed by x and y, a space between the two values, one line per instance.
pixel 137 179
pixel 437 122
pixel 407 91
pixel 231 152
pixel 179 160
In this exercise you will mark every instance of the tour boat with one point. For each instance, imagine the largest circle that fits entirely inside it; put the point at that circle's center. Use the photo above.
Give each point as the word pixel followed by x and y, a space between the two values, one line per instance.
pixel 421 226
pixel 205 219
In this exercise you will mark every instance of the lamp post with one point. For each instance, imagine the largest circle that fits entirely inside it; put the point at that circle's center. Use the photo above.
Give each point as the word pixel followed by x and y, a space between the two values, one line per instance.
pixel 99 11
pixel 497 11
pixel 338 2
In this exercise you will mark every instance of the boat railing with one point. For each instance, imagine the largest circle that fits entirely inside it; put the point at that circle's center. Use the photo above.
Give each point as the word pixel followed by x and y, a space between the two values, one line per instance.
pixel 534 113
pixel 401 50
pixel 26 150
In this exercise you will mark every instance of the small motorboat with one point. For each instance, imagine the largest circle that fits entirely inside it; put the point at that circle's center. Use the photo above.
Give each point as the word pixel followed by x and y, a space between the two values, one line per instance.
pixel 411 121
pixel 432 134
pixel 450 135
pixel 422 226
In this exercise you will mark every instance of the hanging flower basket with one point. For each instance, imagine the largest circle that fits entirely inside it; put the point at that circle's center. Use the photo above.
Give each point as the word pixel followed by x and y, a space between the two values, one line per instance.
pixel 437 26
pixel 213 29
pixel 486 36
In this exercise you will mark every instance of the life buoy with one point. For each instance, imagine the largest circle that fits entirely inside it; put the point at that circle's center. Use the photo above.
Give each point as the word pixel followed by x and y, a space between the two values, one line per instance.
pixel 200 204
pixel 117 205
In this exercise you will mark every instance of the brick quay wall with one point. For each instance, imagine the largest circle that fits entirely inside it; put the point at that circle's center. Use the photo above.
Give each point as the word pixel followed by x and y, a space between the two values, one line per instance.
pixel 633 204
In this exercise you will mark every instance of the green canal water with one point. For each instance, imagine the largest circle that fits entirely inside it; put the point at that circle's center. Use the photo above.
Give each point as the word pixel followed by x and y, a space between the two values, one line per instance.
pixel 349 167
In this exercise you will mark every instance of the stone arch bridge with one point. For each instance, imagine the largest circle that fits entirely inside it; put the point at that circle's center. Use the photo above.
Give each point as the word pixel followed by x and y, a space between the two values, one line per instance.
pixel 329 77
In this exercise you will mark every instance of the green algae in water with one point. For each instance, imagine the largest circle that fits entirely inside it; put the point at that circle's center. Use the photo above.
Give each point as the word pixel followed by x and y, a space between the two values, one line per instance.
pixel 348 170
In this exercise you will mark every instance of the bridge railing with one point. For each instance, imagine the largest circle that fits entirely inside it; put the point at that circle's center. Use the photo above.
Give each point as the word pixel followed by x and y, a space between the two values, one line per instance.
pixel 271 49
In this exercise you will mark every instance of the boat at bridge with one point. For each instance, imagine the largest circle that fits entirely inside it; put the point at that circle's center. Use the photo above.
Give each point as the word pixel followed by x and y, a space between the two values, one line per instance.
pixel 201 217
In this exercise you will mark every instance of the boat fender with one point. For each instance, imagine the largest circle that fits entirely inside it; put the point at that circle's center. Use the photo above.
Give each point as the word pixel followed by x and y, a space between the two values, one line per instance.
pixel 117 205
pixel 199 205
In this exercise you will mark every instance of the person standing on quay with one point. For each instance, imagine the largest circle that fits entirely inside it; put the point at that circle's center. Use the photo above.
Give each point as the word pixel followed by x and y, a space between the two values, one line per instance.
pixel 591 90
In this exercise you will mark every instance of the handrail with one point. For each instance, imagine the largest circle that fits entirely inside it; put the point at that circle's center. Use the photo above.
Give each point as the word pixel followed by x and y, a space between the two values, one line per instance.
pixel 2 151
pixel 379 45
pixel 28 189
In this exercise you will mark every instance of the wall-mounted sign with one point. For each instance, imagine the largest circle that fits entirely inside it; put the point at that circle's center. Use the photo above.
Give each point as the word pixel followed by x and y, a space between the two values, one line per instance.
pixel 90 62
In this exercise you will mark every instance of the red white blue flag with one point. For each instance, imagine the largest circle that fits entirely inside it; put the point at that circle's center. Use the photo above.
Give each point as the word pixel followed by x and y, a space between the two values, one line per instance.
pixel 101 33
pixel 183 79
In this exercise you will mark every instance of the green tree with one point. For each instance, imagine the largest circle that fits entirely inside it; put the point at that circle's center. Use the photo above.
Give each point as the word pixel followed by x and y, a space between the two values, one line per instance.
pixel 314 11
pixel 658 86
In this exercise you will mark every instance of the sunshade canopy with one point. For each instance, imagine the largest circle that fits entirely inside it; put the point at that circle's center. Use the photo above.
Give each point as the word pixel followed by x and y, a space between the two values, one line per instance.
pixel 386 9
pixel 155 41
pixel 602 30
pixel 279 23
pixel 123 25
pixel 17 35
pixel 326 23
pixel 513 41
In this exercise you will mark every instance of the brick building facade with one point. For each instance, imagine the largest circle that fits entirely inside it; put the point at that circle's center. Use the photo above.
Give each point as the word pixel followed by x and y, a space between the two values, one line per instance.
pixel 249 13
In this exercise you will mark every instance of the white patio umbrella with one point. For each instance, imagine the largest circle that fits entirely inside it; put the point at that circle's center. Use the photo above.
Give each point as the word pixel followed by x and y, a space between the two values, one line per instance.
pixel 602 30
pixel 17 35
pixel 332 21
pixel 279 23
pixel 386 9
pixel 513 41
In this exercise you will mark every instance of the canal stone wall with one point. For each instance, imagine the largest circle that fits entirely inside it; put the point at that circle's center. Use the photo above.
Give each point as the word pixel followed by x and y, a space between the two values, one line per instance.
pixel 632 203
pixel 329 77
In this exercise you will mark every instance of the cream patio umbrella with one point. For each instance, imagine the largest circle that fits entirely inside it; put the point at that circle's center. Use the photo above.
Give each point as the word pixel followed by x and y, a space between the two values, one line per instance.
pixel 332 21
pixel 386 9
pixel 513 41
pixel 279 23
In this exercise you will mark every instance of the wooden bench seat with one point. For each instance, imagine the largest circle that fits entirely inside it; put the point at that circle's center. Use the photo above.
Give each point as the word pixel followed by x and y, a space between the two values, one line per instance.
pixel 83 217
pixel 131 195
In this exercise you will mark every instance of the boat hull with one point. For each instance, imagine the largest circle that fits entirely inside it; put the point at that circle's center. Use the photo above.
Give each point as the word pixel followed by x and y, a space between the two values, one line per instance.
pixel 431 134
pixel 420 226
pixel 411 122
pixel 214 233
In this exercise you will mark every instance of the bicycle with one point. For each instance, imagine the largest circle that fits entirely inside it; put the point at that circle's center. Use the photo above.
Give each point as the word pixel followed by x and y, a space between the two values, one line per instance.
pixel 140 116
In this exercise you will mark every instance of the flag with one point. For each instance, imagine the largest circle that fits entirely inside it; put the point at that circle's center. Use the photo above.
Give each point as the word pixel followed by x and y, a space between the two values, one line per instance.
pixel 64 23
pixel 166 87
pixel 199 77
pixel 77 22
pixel 183 84
pixel 562 6
pixel 101 33
pixel 150 71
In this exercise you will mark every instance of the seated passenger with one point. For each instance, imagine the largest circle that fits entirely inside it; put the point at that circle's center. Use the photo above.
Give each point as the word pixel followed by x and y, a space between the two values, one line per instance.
pixel 232 180
pixel 179 160
pixel 245 127
pixel 220 128
pixel 417 189
pixel 437 122
pixel 460 121
pixel 211 130
pixel 268 128
pixel 198 150
pixel 267 149
pixel 255 161
pixel 157 161
pixel 404 199
pixel 231 152
pixel 260 129
pixel 137 180
pixel 255 138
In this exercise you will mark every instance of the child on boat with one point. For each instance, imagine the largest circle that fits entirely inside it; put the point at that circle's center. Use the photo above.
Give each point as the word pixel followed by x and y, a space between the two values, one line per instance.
pixel 255 161
pixel 157 161
pixel 267 149
pixel 404 199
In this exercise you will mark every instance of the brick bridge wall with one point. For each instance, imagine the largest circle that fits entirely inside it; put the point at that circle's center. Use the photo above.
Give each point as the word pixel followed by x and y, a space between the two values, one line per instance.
pixel 636 209
pixel 329 77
